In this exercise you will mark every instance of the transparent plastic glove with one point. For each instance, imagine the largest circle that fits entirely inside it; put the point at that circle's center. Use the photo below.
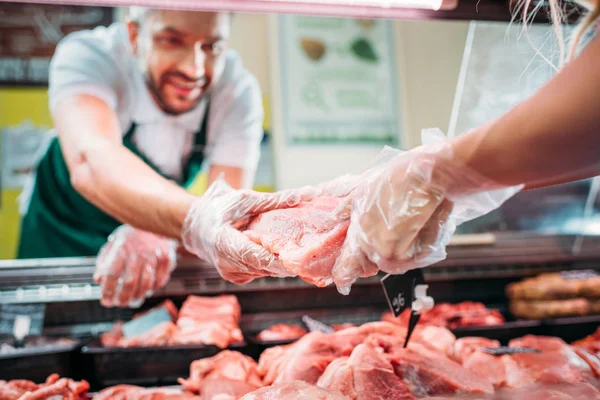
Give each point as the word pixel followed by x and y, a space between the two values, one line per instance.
pixel 406 208
pixel 211 230
pixel 132 265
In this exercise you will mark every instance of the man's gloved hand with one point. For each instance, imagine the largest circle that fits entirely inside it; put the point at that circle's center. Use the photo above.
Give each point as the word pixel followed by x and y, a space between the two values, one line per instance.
pixel 211 230
pixel 405 209
pixel 132 265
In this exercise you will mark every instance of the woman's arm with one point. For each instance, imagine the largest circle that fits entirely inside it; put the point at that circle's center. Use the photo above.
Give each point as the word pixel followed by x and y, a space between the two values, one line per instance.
pixel 553 137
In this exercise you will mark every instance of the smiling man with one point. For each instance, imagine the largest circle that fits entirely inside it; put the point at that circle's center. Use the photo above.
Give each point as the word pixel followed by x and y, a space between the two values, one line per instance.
pixel 138 108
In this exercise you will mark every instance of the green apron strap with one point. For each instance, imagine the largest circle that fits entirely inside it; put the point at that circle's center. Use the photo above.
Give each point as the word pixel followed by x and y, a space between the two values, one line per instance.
pixel 194 162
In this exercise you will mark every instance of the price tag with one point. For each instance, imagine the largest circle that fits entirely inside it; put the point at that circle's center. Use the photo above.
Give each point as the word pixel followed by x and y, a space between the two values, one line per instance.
pixel 579 274
pixel 399 290
pixel 22 319
pixel 314 325
pixel 502 350
pixel 143 324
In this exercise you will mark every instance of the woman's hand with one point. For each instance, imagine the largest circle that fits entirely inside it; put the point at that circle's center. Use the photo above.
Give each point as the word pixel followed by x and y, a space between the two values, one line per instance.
pixel 405 210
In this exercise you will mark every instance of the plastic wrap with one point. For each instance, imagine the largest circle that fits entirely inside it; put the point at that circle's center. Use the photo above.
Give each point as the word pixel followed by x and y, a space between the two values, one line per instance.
pixel 132 265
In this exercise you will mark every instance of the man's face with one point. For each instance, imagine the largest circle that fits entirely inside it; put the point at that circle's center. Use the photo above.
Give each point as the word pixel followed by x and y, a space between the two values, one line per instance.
pixel 181 53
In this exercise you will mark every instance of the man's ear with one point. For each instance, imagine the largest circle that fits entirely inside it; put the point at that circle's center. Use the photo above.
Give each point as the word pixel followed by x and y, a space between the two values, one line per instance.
pixel 133 30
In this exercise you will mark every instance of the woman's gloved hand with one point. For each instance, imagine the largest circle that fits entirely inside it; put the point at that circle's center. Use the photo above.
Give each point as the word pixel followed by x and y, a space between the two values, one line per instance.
pixel 405 209
pixel 211 230
pixel 132 265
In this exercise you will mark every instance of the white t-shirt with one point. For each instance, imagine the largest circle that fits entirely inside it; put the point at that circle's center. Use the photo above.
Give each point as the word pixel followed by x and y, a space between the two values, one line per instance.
pixel 100 62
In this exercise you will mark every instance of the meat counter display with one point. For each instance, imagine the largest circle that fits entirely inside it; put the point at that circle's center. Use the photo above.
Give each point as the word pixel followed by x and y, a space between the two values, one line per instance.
pixel 371 362
pixel 203 338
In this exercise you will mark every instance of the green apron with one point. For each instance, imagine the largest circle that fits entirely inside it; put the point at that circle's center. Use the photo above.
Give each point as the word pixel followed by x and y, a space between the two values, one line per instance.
pixel 61 223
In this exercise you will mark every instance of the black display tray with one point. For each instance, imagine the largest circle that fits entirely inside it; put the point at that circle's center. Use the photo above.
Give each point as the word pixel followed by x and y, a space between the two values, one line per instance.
pixel 143 366
pixel 36 364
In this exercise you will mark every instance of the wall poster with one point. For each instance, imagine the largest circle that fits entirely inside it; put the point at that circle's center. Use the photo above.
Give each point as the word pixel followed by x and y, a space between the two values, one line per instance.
pixel 338 80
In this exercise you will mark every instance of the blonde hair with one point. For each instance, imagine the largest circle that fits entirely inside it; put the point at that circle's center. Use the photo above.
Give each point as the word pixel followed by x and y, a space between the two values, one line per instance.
pixel 558 15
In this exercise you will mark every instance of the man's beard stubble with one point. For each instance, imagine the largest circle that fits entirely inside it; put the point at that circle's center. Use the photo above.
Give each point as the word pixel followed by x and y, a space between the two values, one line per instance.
pixel 155 91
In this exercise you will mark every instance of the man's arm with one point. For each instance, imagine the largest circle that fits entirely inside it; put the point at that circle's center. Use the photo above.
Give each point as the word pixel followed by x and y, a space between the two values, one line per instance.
pixel 551 138
pixel 111 177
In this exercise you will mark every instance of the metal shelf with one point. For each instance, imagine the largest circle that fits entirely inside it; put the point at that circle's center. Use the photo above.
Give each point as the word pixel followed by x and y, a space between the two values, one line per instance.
pixel 512 256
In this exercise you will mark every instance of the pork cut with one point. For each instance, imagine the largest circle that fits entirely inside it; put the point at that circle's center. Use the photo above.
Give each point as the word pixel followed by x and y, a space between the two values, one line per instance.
pixel 452 316
pixel 209 320
pixel 130 392
pixel 307 358
pixel 294 390
pixel 365 375
pixel 281 332
pixel 556 364
pixel 228 373
pixel 54 387
pixel 306 238
pixel 430 374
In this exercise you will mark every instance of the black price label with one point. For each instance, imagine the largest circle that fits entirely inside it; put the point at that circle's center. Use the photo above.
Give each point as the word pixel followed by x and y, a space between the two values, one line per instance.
pixel 314 325
pixel 11 313
pixel 399 290
pixel 143 324
pixel 579 274
pixel 502 350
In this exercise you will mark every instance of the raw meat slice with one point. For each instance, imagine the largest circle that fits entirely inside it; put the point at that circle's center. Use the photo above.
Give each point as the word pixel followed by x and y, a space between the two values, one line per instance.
pixel 281 332
pixel 464 347
pixel 591 343
pixel 556 364
pixel 294 390
pixel 452 316
pixel 429 375
pixel 307 358
pixel 466 351
pixel 592 360
pixel 229 372
pixel 365 375
pixel 130 392
pixel 303 360
pixel 209 320
pixel 54 387
pixel 157 336
pixel 307 238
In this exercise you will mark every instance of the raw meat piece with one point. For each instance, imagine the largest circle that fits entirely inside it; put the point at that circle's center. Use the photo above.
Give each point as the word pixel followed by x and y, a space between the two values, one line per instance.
pixel 433 375
pixel 307 358
pixel 55 386
pixel 452 316
pixel 281 332
pixel 591 343
pixel 209 320
pixel 340 327
pixel 157 336
pixel 466 351
pixel 307 238
pixel 112 337
pixel 592 360
pixel 129 392
pixel 228 373
pixel 464 347
pixel 556 364
pixel 304 360
pixel 295 390
pixel 365 375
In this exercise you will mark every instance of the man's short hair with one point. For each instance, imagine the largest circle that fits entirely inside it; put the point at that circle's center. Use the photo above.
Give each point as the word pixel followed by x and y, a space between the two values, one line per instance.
pixel 137 14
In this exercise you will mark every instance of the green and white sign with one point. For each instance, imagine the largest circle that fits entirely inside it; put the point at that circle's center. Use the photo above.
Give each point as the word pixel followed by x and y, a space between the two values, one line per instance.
pixel 338 80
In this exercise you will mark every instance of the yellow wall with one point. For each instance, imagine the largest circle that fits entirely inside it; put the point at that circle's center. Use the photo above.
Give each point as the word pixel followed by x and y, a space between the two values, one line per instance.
pixel 17 105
